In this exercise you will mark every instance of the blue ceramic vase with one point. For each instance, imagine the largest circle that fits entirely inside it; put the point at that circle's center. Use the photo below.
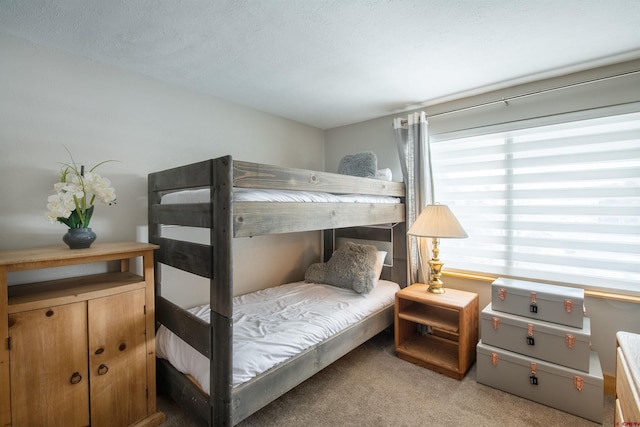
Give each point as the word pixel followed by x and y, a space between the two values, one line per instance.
pixel 79 238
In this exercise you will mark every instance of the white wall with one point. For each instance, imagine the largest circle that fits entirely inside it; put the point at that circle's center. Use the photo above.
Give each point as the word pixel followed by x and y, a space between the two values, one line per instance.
pixel 373 135
pixel 51 99
pixel 607 316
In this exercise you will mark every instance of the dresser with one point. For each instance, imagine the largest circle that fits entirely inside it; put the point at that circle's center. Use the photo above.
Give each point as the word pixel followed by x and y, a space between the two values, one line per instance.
pixel 78 351
pixel 627 410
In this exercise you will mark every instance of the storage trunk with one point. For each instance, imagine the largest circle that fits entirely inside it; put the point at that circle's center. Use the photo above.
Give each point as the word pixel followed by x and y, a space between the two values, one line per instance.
pixel 576 392
pixel 551 342
pixel 549 303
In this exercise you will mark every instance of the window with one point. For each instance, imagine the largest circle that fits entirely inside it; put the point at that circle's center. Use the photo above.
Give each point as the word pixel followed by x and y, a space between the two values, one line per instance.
pixel 557 203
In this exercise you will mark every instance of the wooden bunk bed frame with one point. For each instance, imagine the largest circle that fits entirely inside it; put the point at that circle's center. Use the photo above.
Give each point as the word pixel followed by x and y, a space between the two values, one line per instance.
pixel 225 220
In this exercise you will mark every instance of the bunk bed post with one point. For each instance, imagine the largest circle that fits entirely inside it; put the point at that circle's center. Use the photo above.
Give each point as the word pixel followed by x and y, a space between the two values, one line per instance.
pixel 400 272
pixel 328 244
pixel 221 297
pixel 153 228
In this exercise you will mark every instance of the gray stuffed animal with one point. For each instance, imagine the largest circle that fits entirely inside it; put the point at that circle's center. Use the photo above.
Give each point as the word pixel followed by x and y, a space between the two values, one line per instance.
pixel 352 266
pixel 363 164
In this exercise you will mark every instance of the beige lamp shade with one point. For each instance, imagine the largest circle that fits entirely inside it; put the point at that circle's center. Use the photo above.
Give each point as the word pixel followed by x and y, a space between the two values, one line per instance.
pixel 437 221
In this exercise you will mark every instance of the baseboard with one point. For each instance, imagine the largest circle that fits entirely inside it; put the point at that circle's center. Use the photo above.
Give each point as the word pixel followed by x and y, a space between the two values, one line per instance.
pixel 609 385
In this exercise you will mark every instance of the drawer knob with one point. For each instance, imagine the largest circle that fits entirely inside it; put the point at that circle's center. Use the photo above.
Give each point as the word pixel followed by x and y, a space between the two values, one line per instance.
pixel 495 323
pixel 533 378
pixel 75 378
pixel 103 369
pixel 570 340
pixel 494 359
pixel 568 305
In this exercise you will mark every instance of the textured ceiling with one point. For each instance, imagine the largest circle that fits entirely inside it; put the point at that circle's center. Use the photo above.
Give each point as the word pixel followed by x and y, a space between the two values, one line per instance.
pixel 329 63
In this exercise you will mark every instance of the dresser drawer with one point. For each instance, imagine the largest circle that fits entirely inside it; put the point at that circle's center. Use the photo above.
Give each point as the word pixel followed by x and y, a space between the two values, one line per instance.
pixel 555 343
pixel 548 303
pixel 626 389
pixel 577 392
pixel 617 415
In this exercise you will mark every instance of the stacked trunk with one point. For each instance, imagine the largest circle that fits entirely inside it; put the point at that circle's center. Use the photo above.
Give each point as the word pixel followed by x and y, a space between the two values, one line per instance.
pixel 535 343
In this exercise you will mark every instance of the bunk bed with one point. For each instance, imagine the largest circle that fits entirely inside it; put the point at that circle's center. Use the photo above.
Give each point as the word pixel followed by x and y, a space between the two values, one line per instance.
pixel 221 209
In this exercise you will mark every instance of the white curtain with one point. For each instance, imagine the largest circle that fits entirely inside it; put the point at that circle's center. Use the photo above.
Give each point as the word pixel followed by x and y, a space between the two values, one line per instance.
pixel 412 141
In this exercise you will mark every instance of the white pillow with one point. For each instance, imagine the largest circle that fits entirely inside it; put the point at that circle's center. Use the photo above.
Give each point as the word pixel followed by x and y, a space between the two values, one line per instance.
pixel 381 255
pixel 384 174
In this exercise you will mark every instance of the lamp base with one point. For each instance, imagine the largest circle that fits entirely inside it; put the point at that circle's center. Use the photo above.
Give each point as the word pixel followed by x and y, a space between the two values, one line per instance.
pixel 435 289
pixel 435 284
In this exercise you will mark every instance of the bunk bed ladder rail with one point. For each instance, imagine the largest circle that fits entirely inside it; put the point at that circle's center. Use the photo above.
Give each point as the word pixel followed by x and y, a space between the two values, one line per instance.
pixel 212 261
pixel 274 218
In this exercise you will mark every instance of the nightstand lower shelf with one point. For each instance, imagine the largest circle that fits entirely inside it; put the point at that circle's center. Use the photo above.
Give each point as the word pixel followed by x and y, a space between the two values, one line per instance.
pixel 431 352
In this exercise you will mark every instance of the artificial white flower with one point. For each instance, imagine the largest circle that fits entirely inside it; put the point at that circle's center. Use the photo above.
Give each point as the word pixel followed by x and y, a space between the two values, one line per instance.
pixel 59 205
pixel 72 203
pixel 100 186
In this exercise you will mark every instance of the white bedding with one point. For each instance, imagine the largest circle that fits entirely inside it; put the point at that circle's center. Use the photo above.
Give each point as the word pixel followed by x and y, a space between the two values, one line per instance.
pixel 257 195
pixel 271 325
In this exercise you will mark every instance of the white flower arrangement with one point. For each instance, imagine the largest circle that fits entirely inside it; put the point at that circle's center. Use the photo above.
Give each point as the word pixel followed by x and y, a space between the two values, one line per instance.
pixel 72 203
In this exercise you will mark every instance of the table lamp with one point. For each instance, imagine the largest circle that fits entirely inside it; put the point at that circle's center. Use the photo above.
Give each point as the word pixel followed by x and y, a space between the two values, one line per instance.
pixel 436 221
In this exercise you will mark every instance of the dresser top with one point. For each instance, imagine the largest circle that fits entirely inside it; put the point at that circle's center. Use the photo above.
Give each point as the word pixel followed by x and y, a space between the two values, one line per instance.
pixel 53 256
pixel 630 345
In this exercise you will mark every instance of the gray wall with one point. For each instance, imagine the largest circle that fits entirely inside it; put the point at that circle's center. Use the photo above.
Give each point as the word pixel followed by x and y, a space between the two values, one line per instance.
pixel 51 99
pixel 373 135
pixel 608 316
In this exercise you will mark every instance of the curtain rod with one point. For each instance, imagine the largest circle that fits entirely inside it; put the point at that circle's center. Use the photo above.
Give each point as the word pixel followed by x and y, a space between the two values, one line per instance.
pixel 528 94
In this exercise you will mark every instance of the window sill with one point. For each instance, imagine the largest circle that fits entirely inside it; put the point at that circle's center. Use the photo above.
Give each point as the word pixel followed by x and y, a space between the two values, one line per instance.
pixel 588 293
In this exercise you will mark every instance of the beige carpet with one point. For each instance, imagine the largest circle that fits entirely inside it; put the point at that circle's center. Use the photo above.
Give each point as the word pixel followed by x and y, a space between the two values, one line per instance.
pixel 372 387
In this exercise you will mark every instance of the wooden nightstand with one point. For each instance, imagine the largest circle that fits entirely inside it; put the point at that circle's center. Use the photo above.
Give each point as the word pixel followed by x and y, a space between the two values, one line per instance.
pixel 437 331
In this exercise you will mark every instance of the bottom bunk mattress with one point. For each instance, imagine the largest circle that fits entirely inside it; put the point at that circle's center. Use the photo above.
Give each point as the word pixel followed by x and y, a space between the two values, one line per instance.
pixel 274 324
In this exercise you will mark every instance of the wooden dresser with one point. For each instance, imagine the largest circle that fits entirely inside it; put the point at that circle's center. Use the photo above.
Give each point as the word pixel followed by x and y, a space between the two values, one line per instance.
pixel 627 411
pixel 78 351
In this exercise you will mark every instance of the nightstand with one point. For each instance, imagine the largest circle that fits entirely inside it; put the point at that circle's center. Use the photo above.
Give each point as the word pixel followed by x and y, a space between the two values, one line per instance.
pixel 437 331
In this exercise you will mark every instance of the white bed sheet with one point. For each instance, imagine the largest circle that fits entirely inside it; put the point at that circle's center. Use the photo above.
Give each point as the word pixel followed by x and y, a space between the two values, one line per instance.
pixel 274 324
pixel 201 195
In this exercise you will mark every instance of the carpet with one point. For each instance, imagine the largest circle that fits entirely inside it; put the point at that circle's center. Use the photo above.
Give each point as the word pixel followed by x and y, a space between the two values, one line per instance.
pixel 372 387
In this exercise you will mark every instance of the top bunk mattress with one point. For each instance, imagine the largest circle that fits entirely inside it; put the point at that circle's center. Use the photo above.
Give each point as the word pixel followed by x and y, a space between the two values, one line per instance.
pixel 202 195
pixel 274 324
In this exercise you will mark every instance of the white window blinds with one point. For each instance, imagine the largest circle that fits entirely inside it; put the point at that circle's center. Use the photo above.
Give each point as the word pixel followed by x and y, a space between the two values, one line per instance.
pixel 558 203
